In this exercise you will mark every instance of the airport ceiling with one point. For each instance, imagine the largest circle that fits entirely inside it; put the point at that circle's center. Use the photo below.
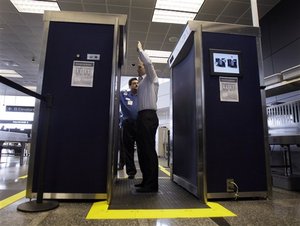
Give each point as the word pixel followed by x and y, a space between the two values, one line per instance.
pixel 21 33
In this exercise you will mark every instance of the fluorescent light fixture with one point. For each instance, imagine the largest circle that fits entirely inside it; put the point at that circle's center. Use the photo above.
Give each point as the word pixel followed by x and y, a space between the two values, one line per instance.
pixel 9 74
pixel 31 6
pixel 180 5
pixel 159 60
pixel 157 53
pixel 158 56
pixel 173 17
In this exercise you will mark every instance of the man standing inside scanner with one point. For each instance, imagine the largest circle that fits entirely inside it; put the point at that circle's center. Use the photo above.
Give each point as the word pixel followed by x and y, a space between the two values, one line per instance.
pixel 147 123
pixel 129 111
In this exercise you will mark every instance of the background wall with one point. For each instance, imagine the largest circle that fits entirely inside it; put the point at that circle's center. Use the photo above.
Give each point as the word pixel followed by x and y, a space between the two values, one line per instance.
pixel 281 37
pixel 16 119
pixel 281 50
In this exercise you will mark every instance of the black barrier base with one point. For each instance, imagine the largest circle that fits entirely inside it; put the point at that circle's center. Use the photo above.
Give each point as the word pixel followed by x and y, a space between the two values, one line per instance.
pixel 33 206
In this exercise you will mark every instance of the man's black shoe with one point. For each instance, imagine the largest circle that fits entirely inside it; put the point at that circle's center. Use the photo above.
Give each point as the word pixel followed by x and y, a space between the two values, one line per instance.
pixel 139 185
pixel 146 190
pixel 130 176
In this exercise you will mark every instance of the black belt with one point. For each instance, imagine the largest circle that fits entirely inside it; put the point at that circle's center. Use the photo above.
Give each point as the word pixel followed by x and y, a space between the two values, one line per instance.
pixel 146 110
pixel 129 120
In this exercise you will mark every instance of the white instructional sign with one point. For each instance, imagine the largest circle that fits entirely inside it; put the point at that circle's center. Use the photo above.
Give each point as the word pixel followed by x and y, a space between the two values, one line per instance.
pixel 83 73
pixel 229 90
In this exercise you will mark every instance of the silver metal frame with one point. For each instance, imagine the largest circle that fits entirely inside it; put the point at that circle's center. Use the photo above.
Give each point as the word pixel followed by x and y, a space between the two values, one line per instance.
pixel 200 114
pixel 171 128
pixel 77 17
pixel 258 194
pixel 197 27
pixel 264 114
pixel 113 107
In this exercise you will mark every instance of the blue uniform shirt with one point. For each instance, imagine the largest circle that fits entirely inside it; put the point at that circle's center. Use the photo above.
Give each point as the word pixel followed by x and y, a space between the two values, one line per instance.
pixel 129 107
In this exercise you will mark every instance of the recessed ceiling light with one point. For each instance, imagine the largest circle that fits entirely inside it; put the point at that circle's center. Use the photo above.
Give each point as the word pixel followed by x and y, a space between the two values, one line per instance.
pixel 176 11
pixel 31 6
pixel 9 73
pixel 180 5
pixel 173 39
pixel 173 17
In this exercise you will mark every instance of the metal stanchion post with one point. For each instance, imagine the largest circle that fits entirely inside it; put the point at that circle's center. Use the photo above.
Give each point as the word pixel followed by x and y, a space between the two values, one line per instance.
pixel 39 204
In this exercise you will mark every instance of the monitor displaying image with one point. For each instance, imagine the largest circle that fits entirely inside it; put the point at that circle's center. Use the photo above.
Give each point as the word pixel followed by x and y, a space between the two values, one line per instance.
pixel 225 62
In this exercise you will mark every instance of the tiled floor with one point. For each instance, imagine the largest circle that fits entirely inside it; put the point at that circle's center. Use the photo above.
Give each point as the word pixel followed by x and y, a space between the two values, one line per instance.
pixel 283 209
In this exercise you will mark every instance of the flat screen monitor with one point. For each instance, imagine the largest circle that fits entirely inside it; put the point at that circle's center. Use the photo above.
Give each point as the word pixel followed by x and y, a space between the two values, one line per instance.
pixel 225 62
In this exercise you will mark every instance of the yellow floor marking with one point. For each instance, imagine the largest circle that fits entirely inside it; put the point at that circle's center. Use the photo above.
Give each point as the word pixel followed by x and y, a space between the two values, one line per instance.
pixel 99 210
pixel 22 177
pixel 164 170
pixel 12 199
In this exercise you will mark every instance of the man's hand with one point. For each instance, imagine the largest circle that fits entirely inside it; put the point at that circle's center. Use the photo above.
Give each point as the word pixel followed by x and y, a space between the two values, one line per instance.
pixel 139 46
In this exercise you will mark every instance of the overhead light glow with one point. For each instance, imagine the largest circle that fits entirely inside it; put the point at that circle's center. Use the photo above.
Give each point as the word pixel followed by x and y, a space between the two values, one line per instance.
pixel 31 6
pixel 9 63
pixel 180 5
pixel 158 56
pixel 159 60
pixel 33 88
pixel 9 74
pixel 173 17
pixel 157 53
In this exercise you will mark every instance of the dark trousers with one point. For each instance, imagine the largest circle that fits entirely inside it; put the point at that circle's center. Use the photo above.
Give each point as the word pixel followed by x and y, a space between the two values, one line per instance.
pixel 147 124
pixel 121 150
pixel 129 138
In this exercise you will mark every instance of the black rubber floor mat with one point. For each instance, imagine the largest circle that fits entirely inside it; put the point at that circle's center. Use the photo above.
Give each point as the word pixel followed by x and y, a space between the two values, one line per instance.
pixel 169 196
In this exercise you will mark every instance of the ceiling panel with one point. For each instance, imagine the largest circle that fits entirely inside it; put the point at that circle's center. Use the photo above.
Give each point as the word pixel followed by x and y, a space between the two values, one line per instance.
pixel 70 6
pixel 235 9
pixel 120 2
pixel 159 28
pixel 32 19
pixel 95 8
pixel 21 33
pixel 138 26
pixel 94 1
pixel 143 4
pixel 6 6
pixel 137 36
pixel 213 7
pixel 141 14
pixel 69 1
pixel 118 10
pixel 13 18
pixel 154 37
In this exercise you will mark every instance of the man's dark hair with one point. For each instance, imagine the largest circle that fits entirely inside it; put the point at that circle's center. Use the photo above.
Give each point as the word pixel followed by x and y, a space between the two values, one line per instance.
pixel 130 81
